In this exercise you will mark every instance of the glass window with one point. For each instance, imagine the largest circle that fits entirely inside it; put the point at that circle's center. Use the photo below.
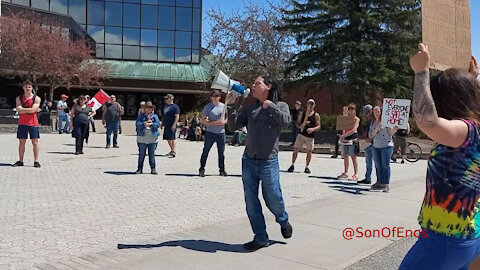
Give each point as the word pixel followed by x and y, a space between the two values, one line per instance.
pixel 166 18
pixel 165 54
pixel 59 6
pixel 148 53
pixel 131 36
pixel 22 2
pixel 95 12
pixel 113 14
pixel 77 9
pixel 41 4
pixel 149 16
pixel 131 15
pixel 132 1
pixel 183 19
pixel 182 55
pixel 183 39
pixel 131 52
pixel 113 51
pixel 196 40
pixel 100 50
pixel 166 2
pixel 96 32
pixel 196 19
pixel 153 2
pixel 184 3
pixel 113 35
pixel 196 56
pixel 149 37
pixel 166 38
pixel 196 3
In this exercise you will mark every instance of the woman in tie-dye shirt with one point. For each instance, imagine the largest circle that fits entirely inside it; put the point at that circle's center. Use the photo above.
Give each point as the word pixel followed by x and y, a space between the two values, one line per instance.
pixel 450 115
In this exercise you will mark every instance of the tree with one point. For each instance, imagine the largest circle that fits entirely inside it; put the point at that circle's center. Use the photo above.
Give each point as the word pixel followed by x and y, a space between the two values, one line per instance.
pixel 363 44
pixel 247 43
pixel 41 50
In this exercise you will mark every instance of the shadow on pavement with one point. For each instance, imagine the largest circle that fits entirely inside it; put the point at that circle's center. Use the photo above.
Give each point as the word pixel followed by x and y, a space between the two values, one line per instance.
pixel 119 173
pixel 198 245
pixel 344 186
pixel 5 165
pixel 62 153
pixel 196 175
pixel 324 177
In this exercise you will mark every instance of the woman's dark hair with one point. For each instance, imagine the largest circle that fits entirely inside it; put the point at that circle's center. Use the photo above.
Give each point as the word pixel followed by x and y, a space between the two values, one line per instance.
pixel 456 94
pixel 275 91
pixel 81 97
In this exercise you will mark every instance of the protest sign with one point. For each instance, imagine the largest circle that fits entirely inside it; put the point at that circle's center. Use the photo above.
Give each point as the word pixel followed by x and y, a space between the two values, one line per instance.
pixel 395 112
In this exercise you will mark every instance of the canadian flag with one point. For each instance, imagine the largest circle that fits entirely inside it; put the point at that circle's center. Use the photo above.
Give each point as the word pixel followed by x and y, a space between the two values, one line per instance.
pixel 98 100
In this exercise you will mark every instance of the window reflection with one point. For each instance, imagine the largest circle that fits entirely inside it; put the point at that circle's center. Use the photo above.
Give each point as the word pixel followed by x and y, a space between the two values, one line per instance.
pixel 196 19
pixel 165 54
pixel 22 2
pixel 95 12
pixel 149 37
pixel 59 6
pixel 131 52
pixel 152 2
pixel 166 38
pixel 148 53
pixel 184 3
pixel 113 14
pixel 132 1
pixel 131 15
pixel 77 10
pixel 96 32
pixel 113 51
pixel 183 39
pixel 41 4
pixel 166 2
pixel 100 50
pixel 196 3
pixel 113 35
pixel 183 19
pixel 149 16
pixel 196 56
pixel 182 55
pixel 131 36
pixel 196 40
pixel 166 18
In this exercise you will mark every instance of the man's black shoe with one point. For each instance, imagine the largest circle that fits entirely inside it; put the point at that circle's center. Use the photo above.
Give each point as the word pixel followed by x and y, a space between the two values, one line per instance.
pixel 116 146
pixel 36 164
pixel 287 231
pixel 201 173
pixel 291 168
pixel 254 246
pixel 334 156
pixel 223 173
pixel 307 170
pixel 364 181
pixel 17 164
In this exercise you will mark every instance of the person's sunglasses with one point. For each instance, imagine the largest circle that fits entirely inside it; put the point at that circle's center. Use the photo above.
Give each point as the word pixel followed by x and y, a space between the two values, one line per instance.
pixel 215 95
pixel 351 108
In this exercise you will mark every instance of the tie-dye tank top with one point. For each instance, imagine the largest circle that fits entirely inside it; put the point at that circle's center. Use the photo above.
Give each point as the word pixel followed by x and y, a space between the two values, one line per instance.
pixel 451 202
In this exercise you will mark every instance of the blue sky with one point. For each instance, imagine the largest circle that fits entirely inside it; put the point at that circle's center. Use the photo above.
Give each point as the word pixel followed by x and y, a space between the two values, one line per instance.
pixel 229 5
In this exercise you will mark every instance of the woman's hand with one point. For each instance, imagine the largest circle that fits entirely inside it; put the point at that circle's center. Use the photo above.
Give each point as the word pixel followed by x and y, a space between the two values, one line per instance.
pixel 230 98
pixel 474 69
pixel 420 62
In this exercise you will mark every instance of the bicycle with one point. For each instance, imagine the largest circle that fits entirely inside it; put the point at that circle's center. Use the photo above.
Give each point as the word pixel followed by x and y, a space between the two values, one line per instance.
pixel 413 152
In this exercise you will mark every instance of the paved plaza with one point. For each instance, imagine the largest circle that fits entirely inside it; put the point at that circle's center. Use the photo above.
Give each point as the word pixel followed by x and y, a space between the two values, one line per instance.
pixel 74 211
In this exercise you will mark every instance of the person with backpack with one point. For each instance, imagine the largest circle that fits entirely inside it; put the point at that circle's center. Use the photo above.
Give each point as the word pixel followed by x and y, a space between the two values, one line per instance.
pixel 28 105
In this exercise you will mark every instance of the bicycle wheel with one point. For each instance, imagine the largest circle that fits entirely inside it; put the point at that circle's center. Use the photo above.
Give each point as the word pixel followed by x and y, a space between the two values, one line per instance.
pixel 413 153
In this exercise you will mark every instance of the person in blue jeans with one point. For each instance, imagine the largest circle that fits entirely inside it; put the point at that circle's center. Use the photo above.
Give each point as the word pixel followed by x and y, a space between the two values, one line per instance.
pixel 382 150
pixel 447 110
pixel 264 120
pixel 111 119
pixel 147 125
pixel 212 118
pixel 62 111
pixel 368 112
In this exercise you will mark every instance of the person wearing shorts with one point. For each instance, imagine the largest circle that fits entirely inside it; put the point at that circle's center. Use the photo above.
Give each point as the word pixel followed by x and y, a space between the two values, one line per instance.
pixel 349 140
pixel 306 137
pixel 27 105
pixel 171 114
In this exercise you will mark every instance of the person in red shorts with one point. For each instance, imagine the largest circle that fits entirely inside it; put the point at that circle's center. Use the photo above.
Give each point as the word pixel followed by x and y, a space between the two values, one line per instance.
pixel 27 106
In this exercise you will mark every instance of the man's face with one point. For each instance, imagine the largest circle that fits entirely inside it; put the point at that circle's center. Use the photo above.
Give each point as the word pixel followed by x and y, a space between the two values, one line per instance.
pixel 259 88
pixel 215 97
pixel 297 106
pixel 168 100
pixel 113 98
pixel 28 87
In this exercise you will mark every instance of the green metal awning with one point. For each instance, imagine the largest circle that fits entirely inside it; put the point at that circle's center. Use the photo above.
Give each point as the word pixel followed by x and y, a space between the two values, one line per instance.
pixel 119 69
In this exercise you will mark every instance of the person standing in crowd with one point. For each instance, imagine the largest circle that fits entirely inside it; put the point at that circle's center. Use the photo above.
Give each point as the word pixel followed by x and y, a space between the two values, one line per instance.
pixel 185 127
pixel 447 110
pixel 194 123
pixel 62 111
pixel 367 112
pixel 142 108
pixel 111 119
pixel 171 114
pixel 80 115
pixel 28 105
pixel 215 122
pixel 307 124
pixel 147 136
pixel 90 119
pixel 339 133
pixel 264 120
pixel 400 143
pixel 382 150
pixel 295 112
pixel 349 140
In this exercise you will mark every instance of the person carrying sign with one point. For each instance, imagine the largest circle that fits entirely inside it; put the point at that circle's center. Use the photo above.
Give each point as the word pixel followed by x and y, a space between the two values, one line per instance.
pixel 349 140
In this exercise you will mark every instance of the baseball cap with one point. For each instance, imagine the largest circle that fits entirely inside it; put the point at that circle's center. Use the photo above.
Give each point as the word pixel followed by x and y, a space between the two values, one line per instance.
pixel 366 109
pixel 64 96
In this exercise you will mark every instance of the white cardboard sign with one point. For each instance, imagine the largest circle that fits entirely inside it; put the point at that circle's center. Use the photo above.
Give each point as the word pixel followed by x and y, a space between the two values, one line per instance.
pixel 396 112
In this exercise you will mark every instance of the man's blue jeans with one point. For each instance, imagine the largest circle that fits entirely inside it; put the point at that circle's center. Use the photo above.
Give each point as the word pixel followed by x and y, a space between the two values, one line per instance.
pixel 369 162
pixel 440 252
pixel 381 157
pixel 266 171
pixel 142 149
pixel 112 127
pixel 62 118
pixel 210 139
